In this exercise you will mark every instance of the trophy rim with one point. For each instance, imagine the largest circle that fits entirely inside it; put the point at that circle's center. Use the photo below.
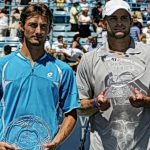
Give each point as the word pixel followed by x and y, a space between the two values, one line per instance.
pixel 26 118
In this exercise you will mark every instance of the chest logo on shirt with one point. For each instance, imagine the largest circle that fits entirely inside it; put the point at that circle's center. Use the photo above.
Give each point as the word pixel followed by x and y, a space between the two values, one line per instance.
pixel 49 75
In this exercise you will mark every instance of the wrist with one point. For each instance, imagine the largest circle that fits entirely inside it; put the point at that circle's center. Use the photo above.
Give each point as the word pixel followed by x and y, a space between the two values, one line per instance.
pixel 94 103
pixel 146 101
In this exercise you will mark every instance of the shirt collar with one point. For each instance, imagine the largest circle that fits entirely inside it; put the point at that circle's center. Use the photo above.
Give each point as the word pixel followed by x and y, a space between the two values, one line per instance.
pixel 20 55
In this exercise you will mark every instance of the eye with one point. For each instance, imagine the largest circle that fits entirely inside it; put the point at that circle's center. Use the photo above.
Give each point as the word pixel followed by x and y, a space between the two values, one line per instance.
pixel 44 26
pixel 124 18
pixel 33 25
pixel 113 18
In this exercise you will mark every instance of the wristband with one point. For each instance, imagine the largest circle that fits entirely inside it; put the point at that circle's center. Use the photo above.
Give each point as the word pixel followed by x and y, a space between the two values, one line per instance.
pixel 94 103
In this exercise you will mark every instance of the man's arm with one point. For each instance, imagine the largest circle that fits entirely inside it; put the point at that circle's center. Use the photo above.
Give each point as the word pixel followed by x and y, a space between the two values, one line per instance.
pixel 5 146
pixel 65 129
pixel 89 107
pixel 146 100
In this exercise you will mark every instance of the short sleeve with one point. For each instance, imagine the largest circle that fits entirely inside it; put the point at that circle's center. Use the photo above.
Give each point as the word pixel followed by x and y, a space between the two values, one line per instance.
pixel 84 77
pixel 69 99
pixel 3 61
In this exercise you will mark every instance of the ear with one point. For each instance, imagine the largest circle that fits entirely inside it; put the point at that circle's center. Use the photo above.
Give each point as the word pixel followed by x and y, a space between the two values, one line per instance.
pixel 104 23
pixel 21 26
pixel 50 28
pixel 131 22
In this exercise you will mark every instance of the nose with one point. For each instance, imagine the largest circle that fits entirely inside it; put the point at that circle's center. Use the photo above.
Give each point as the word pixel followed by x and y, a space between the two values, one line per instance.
pixel 38 29
pixel 119 21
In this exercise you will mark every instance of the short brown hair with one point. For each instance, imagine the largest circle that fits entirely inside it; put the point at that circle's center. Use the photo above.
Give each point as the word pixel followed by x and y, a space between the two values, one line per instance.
pixel 36 9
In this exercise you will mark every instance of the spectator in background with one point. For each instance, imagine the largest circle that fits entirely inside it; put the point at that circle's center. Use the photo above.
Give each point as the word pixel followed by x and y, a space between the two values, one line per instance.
pixel 60 4
pixel 76 43
pixel 84 5
pixel 96 15
pixel 58 48
pixel 146 30
pixel 137 22
pixel 143 38
pixel 84 23
pixel 100 27
pixel 47 45
pixel 93 45
pixel 136 28
pixel 15 22
pixel 3 23
pixel 7 5
pixel 73 55
pixel 135 32
pixel 59 52
pixel 88 42
pixel 59 42
pixel 7 49
pixel 138 13
pixel 74 12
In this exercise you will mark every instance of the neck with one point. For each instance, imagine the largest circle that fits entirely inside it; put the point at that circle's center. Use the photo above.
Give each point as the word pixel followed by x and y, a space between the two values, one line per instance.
pixel 32 52
pixel 119 45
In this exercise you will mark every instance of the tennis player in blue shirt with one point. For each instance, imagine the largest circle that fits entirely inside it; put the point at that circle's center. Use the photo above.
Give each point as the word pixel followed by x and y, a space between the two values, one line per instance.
pixel 33 87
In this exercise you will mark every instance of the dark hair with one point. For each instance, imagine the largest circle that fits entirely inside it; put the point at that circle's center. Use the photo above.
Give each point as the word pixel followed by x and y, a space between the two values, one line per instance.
pixel 33 10
pixel 98 4
pixel 7 49
pixel 16 10
pixel 76 36
pixel 36 9
pixel 3 10
pixel 59 37
pixel 76 4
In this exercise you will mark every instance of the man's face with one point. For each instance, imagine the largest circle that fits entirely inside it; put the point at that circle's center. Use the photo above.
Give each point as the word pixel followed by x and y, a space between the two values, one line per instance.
pixel 148 26
pixel 35 30
pixel 99 8
pixel 61 40
pixel 94 42
pixel 118 24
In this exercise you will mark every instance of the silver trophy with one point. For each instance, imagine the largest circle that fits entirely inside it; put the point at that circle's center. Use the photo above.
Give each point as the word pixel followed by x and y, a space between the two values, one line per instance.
pixel 122 71
pixel 27 133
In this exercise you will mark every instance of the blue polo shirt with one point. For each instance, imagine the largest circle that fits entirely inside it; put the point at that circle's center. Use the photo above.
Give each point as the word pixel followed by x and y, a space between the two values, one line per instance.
pixel 38 90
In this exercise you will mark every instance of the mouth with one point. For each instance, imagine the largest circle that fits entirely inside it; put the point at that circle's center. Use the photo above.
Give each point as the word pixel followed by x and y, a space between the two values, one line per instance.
pixel 119 29
pixel 119 34
pixel 37 38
